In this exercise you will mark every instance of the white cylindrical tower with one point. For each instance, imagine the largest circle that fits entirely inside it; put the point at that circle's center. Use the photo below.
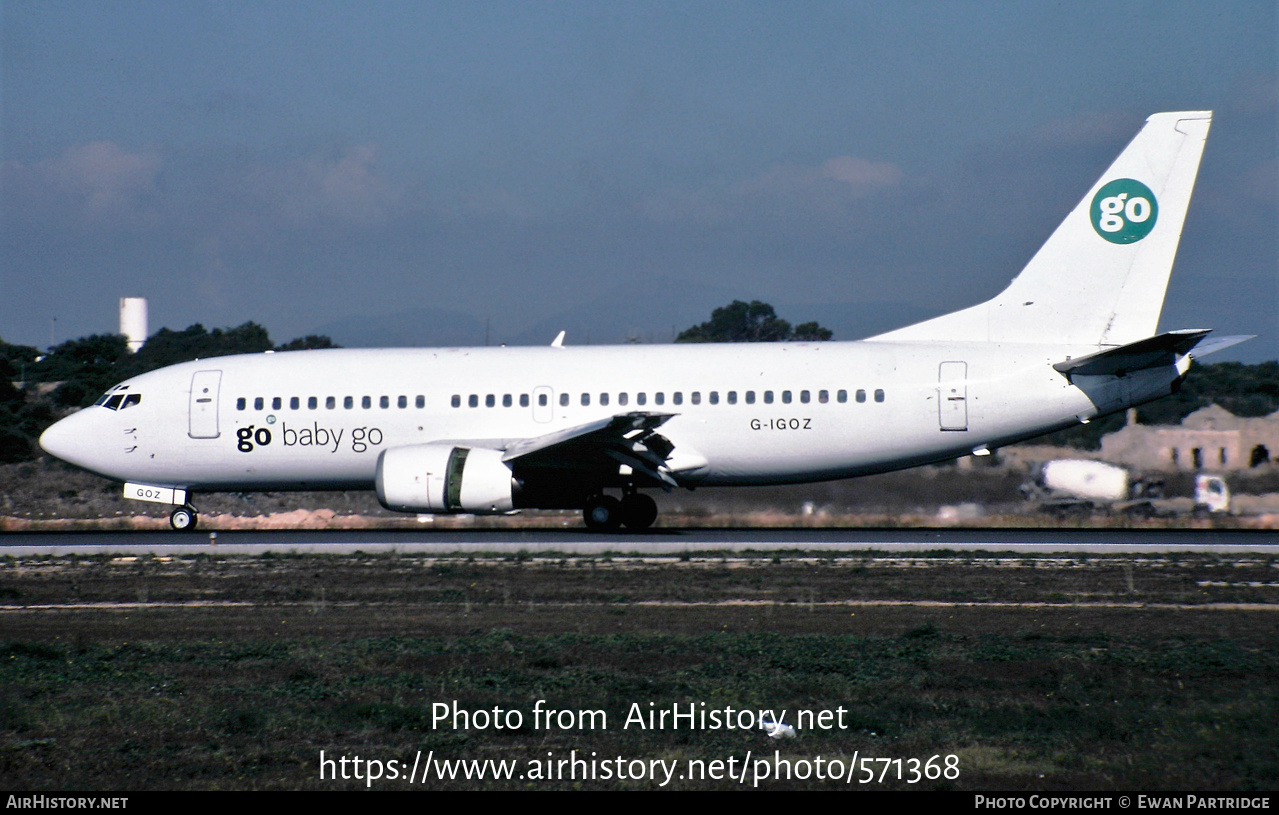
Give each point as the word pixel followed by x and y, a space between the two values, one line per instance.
pixel 133 321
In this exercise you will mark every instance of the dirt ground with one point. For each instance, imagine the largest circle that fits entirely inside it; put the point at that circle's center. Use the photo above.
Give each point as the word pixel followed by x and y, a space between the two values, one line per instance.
pixel 49 495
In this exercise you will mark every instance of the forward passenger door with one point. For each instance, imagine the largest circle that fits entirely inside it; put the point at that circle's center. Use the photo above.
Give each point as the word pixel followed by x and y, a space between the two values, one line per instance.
pixel 204 405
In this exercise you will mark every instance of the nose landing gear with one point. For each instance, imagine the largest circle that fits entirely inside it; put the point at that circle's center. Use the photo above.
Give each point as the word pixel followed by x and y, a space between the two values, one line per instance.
pixel 183 518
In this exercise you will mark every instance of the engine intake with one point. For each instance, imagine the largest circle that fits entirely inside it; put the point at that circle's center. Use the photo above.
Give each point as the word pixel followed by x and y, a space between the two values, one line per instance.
pixel 444 478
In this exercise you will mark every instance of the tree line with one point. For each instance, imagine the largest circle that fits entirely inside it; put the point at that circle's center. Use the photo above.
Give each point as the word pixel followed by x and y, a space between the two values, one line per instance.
pixel 37 387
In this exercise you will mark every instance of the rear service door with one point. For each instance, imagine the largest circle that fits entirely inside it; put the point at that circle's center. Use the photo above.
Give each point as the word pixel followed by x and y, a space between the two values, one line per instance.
pixel 952 395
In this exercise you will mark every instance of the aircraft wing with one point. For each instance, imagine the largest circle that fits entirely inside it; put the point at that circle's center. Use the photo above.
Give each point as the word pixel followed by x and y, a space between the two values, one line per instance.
pixel 628 438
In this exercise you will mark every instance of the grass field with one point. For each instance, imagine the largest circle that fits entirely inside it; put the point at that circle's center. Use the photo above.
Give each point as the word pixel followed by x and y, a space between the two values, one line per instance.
pixel 1037 673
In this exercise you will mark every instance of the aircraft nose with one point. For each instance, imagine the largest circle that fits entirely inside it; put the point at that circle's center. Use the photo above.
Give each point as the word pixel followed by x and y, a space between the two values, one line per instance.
pixel 64 440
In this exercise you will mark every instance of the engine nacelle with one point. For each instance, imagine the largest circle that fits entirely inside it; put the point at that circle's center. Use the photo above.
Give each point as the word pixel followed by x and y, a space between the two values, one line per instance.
pixel 444 478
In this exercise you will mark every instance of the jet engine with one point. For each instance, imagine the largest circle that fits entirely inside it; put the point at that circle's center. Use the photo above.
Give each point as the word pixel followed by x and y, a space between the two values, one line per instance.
pixel 444 478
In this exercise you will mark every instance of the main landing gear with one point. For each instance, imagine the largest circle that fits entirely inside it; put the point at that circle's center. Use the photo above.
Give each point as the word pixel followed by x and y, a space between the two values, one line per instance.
pixel 183 518
pixel 604 513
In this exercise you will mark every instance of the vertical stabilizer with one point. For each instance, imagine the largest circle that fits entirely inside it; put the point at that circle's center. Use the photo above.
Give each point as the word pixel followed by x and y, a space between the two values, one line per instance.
pixel 1101 277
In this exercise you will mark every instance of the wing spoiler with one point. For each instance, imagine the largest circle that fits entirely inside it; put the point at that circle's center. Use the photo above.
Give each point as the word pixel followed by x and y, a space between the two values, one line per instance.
pixel 627 425
pixel 629 438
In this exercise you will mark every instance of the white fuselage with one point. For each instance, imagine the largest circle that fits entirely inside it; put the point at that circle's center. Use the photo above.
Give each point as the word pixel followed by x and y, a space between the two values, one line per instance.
pixel 743 413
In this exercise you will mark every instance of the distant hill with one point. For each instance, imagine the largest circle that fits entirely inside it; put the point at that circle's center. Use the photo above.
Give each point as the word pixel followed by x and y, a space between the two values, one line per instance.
pixel 421 327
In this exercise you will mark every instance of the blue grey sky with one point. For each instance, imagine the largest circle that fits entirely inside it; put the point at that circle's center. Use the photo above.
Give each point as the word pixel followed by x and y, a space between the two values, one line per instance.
pixel 303 163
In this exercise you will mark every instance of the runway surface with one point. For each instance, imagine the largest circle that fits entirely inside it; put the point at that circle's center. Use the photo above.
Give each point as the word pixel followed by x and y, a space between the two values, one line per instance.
pixel 658 542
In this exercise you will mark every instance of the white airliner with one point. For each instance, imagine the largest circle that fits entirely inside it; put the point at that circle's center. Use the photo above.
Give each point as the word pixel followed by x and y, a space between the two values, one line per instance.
pixel 492 430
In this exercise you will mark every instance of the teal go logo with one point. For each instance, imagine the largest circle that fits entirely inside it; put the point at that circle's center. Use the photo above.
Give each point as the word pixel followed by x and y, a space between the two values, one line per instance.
pixel 1124 211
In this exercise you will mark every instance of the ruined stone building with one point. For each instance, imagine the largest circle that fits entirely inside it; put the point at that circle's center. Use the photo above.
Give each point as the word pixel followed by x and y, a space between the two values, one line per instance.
pixel 1211 438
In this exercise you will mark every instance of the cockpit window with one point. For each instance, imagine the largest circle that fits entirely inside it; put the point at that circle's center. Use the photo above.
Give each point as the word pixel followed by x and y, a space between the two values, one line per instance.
pixel 118 399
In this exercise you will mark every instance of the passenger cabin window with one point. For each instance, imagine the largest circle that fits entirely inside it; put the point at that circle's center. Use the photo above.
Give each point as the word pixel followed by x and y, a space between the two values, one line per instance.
pixel 785 397
pixel 861 395
pixel 563 400
pixel 385 402
pixel 641 398
pixel 402 402
pixel 823 396
pixel 768 397
pixel 257 403
pixel 420 401
pixel 490 400
pixel 677 397
pixel 330 402
pixel 750 397
pixel 696 397
pixel 586 399
pixel 473 400
pixel 312 403
pixel 276 403
pixel 623 399
pixel 348 402
pixel 294 403
pixel 524 399
pixel 732 397
pixel 506 400
pixel 366 402
pixel 603 398
pixel 805 397
pixel 659 398
pixel 879 395
pixel 541 400
pixel 714 397
pixel 842 396
pixel 239 403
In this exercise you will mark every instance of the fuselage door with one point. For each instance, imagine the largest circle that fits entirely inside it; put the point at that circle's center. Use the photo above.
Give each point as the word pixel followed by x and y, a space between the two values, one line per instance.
pixel 542 407
pixel 952 395
pixel 204 404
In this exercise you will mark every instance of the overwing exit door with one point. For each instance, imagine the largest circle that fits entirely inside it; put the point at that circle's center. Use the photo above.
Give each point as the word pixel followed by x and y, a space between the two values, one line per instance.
pixel 543 410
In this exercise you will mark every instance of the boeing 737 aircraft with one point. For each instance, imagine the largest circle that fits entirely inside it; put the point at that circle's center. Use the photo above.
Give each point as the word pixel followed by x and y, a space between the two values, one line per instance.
pixel 492 430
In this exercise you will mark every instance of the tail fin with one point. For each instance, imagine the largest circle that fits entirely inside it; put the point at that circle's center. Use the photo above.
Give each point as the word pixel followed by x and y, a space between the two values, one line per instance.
pixel 1101 278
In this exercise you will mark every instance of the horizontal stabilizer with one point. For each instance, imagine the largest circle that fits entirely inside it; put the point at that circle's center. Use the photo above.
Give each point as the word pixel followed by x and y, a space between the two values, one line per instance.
pixel 1153 352
pixel 1215 344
